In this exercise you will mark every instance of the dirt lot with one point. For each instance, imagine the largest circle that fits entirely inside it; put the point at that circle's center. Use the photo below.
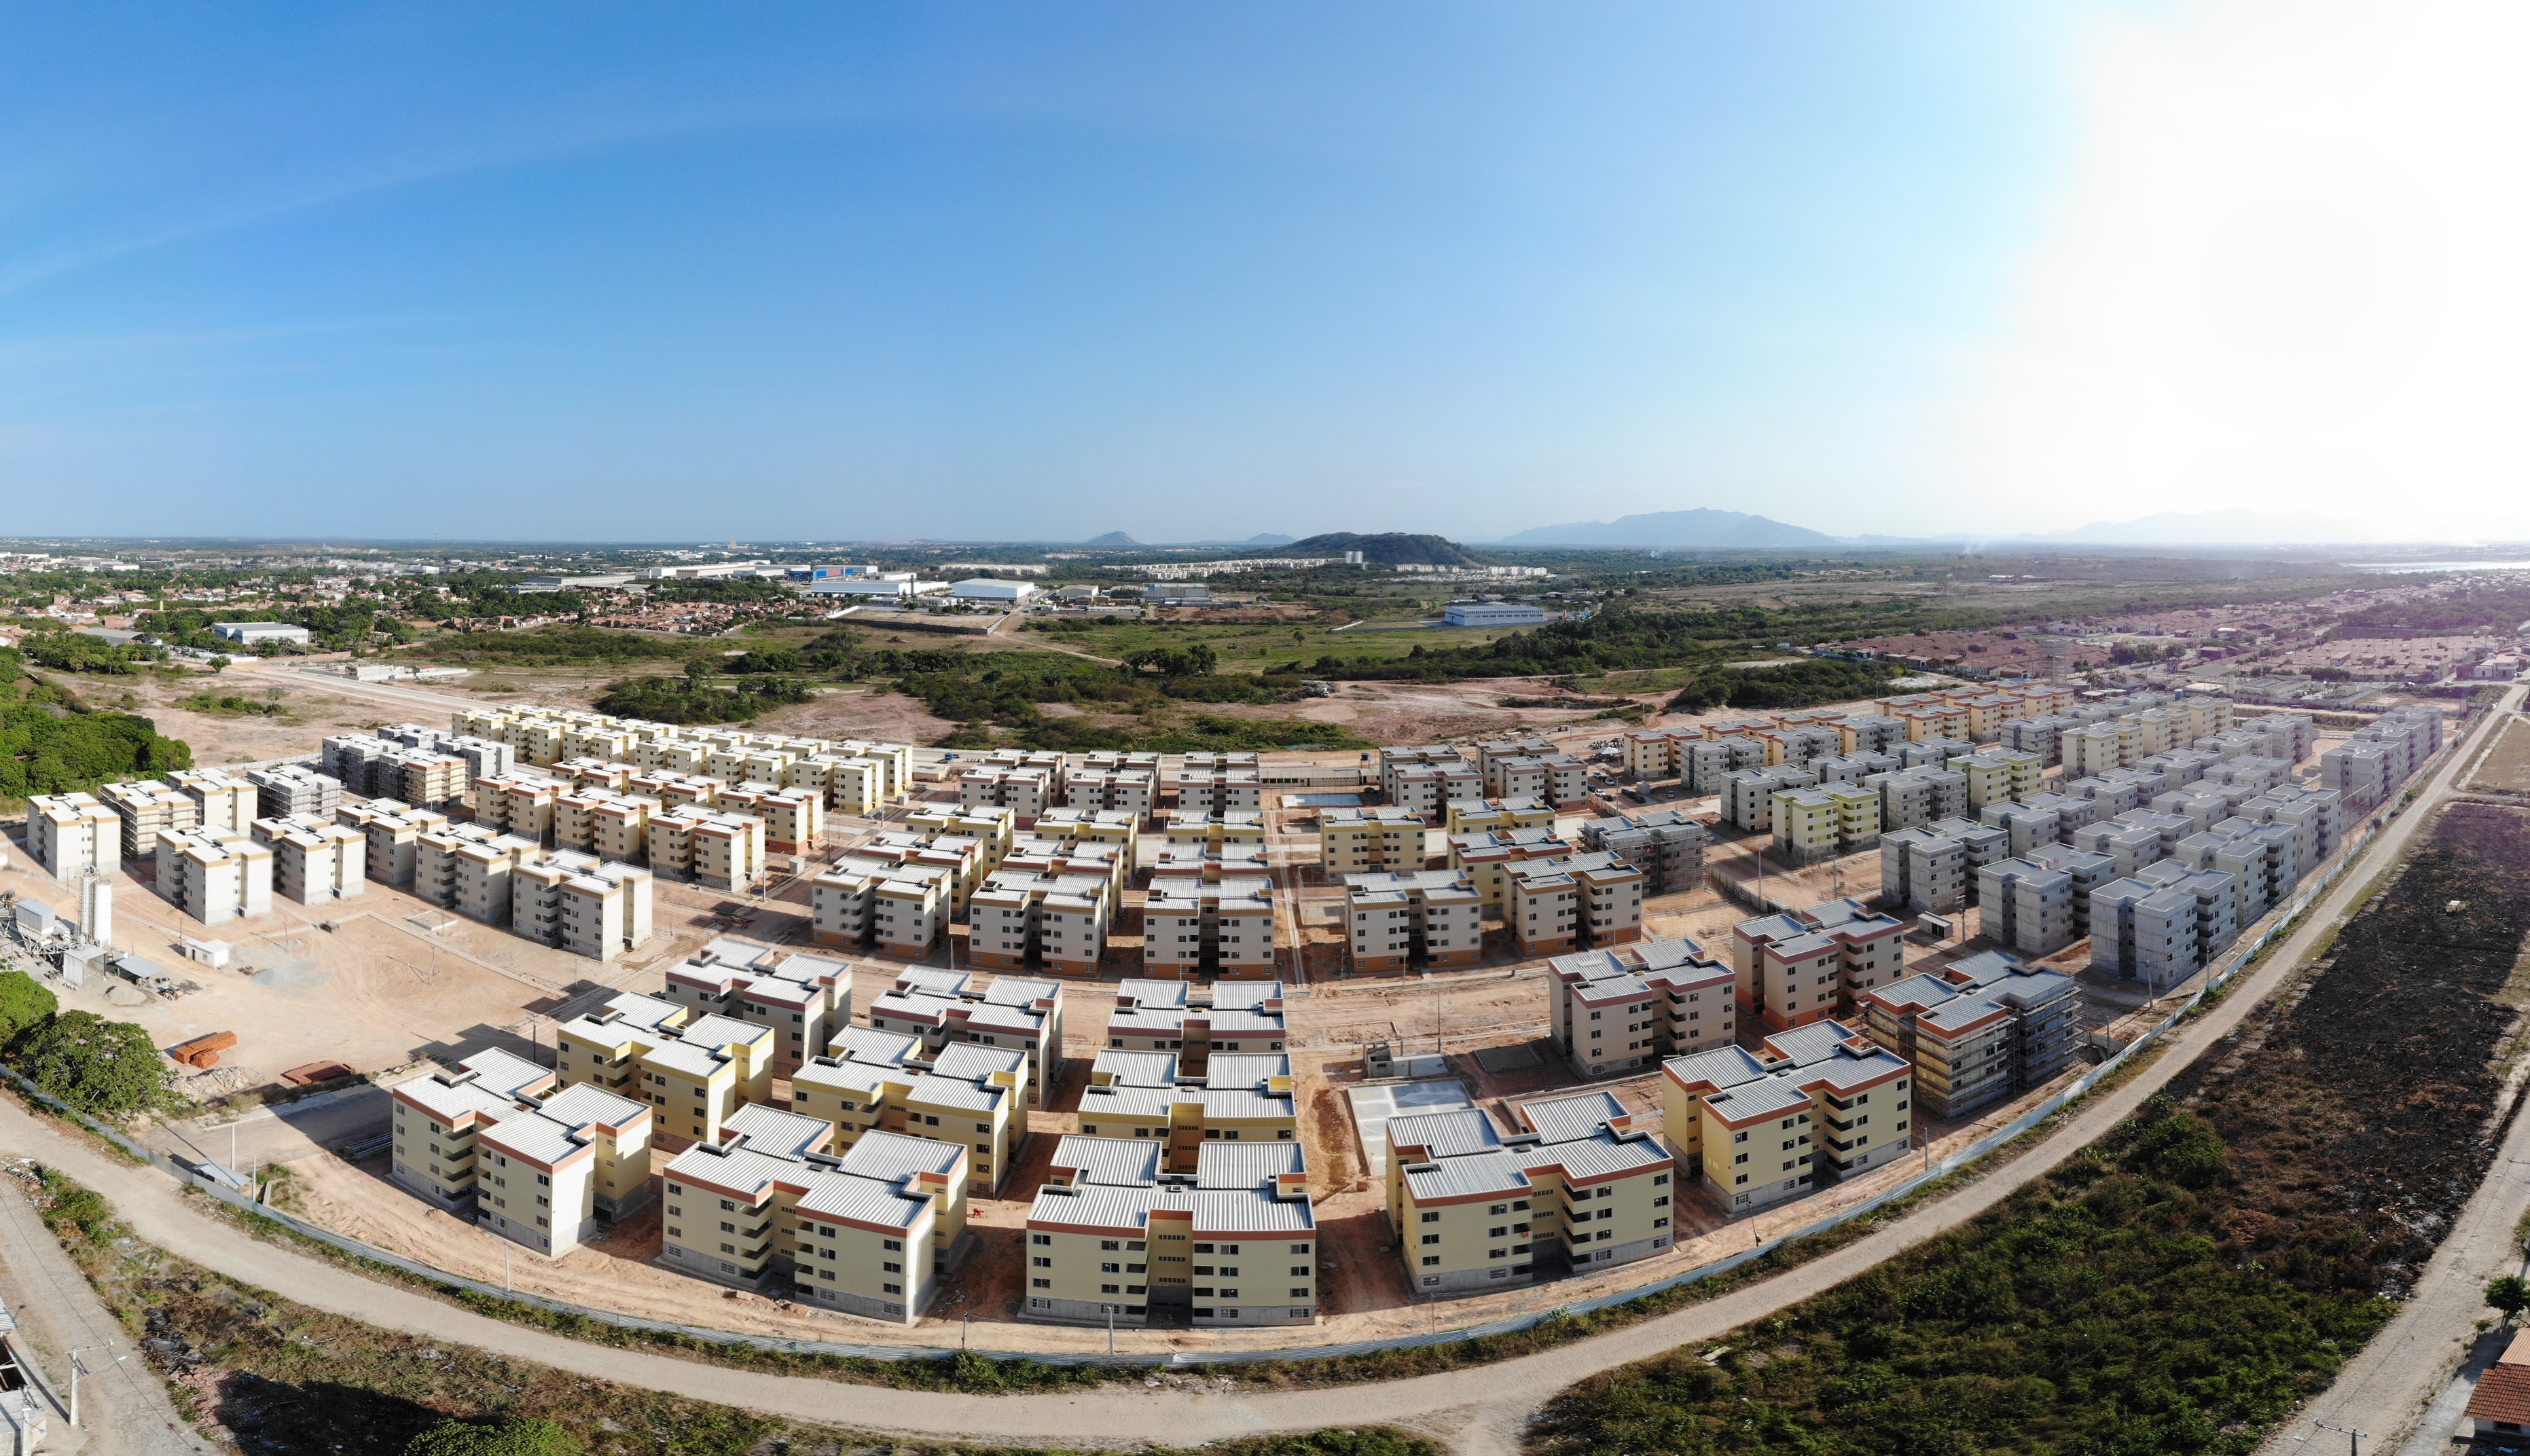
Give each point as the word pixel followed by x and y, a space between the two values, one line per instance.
pixel 315 710
pixel 1432 712
pixel 2506 765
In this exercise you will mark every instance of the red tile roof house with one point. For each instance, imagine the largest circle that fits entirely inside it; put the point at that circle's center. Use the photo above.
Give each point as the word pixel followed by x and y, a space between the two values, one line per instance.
pixel 2500 1408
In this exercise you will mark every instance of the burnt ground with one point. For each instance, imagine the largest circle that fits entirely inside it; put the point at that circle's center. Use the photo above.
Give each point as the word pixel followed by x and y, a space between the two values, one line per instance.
pixel 2359 1112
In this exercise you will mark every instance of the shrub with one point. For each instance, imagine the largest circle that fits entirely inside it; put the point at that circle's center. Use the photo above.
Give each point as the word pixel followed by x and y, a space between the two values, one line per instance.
pixel 512 1436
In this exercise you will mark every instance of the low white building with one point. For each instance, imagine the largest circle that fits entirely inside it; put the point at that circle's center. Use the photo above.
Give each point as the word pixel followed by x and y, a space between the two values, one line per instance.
pixel 251 632
pixel 991 589
pixel 1494 615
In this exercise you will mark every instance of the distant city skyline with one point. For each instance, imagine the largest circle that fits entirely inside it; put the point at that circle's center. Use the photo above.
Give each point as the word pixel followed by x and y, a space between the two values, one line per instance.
pixel 1004 273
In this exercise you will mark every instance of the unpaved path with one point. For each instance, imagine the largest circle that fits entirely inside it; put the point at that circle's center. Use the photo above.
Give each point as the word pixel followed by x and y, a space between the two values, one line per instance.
pixel 1481 1411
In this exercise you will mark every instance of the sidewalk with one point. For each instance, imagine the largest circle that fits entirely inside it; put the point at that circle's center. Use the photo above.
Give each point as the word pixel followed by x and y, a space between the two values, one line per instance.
pixel 124 1409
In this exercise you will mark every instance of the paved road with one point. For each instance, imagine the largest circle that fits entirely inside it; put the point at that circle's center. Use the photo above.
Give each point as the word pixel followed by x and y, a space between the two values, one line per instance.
pixel 124 1409
pixel 1483 1411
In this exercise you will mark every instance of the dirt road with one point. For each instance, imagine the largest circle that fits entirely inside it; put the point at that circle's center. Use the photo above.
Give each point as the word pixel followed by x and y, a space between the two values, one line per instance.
pixel 1482 1410
pixel 124 1409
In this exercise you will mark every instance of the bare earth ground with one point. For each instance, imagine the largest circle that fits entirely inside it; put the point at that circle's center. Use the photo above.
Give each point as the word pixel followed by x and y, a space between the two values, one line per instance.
pixel 316 710
pixel 2506 765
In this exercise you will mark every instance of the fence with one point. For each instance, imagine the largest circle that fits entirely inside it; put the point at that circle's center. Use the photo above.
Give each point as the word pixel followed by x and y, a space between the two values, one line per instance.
pixel 2080 1086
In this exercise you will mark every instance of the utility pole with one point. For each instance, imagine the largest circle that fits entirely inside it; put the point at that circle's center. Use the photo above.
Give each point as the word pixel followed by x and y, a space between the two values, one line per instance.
pixel 77 1372
pixel 1110 1328
pixel 2353 1437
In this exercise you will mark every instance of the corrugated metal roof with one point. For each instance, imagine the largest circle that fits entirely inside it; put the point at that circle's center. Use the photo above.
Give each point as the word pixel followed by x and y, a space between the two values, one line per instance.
pixel 1495 1171
pixel 1132 1163
pixel 1556 1118
pixel 774 1130
pixel 1140 1068
pixel 1222 1166
pixel 1451 1134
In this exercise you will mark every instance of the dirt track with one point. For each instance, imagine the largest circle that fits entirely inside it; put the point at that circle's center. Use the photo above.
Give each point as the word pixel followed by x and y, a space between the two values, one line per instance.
pixel 1482 1410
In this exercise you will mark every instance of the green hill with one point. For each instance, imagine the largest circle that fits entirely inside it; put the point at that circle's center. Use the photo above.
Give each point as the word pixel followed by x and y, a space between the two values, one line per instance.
pixel 1388 549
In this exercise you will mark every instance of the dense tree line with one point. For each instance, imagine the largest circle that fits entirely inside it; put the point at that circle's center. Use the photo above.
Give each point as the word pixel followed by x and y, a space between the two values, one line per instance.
pixel 689 700
pixel 49 744
pixel 1824 679
pixel 2501 608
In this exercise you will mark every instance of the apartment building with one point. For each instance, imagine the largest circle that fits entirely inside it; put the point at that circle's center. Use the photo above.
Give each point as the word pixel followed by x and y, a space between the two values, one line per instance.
pixel 72 835
pixel 1616 1012
pixel 1748 795
pixel 695 1071
pixel 884 901
pixel 1056 919
pixel 1497 816
pixel 550 1174
pixel 1978 1030
pixel 1652 754
pixel 854 776
pixel 605 823
pixel 1118 829
pixel 1192 829
pixel 143 809
pixel 711 848
pixel 1805 966
pixel 1666 845
pixel 1996 774
pixel 1428 778
pixel 1555 906
pixel 1827 821
pixel 1487 859
pixel 1240 1017
pixel 214 875
pixel 1228 785
pixel 290 789
pixel 866 1233
pixel 1373 840
pixel 1819 1100
pixel 438 1118
pixel 970 1095
pixel 1853 768
pixel 2039 903
pixel 1132 791
pixel 484 757
pixel 375 766
pixel 315 861
pixel 1112 1237
pixel 940 1008
pixel 1028 792
pixel 1242 1098
pixel 804 1000
pixel 392 832
pixel 1224 928
pixel 1556 777
pixel 1434 916
pixel 794 818
pixel 1578 1188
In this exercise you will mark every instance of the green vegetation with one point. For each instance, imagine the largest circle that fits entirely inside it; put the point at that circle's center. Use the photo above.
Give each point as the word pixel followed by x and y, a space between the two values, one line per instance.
pixel 331 627
pixel 78 652
pixel 688 700
pixel 2473 608
pixel 1826 680
pixel 107 1069
pixel 231 705
pixel 508 1436
pixel 1387 548
pixel 2097 1311
pixel 51 743
pixel 23 1002
pixel 2508 1295
pixel 284 1378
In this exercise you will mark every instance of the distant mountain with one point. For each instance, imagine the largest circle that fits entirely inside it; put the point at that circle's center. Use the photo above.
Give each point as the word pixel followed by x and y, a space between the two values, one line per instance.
pixel 1388 549
pixel 1266 539
pixel 1698 527
pixel 1113 540
pixel 2233 528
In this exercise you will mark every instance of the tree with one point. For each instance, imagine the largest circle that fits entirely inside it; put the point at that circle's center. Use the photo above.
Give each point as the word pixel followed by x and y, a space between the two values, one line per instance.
pixel 219 665
pixel 106 1068
pixel 510 1435
pixel 2509 1295
pixel 23 1002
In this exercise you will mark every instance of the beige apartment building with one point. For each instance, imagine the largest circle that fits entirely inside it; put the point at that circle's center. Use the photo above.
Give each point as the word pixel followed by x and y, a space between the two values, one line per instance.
pixel 72 835
pixel 695 1073
pixel 804 1000
pixel 794 818
pixel 1242 1098
pixel 974 1097
pixel 1579 1187
pixel 1488 856
pixel 1112 1238
pixel 1428 779
pixel 1497 816
pixel 1224 928
pixel 868 1233
pixel 438 1116
pixel 1761 1127
pixel 1240 1017
pixel 942 1009
pixel 1998 774
pixel 855 777
pixel 1618 1012
pixel 145 808
pixel 213 876
pixel 709 846
pixel 392 832
pixel 1803 967
pixel 580 904
pixel 1046 912
pixel 1556 906
pixel 220 801
pixel 315 861
pixel 1437 916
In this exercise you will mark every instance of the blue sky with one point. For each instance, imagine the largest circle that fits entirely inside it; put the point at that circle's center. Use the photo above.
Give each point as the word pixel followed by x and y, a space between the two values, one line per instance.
pixel 992 272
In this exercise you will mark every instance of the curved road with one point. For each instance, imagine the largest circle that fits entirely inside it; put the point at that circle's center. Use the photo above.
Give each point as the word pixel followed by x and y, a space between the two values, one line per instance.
pixel 1482 1410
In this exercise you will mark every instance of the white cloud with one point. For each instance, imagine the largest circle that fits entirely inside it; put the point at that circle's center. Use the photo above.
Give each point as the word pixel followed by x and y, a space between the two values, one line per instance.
pixel 2289 276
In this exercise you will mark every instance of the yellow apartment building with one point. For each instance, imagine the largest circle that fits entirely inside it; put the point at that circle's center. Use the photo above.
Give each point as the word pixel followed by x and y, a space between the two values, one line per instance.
pixel 1760 1127
pixel 1578 1188
pixel 1110 1239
